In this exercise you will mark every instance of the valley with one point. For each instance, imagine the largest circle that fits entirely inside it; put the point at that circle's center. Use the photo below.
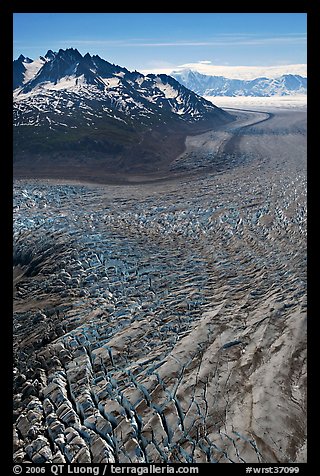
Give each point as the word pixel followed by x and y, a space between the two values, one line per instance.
pixel 160 316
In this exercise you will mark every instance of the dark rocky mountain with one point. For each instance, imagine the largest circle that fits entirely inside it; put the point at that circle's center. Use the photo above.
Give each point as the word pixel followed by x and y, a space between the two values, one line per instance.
pixel 205 85
pixel 82 111
pixel 19 69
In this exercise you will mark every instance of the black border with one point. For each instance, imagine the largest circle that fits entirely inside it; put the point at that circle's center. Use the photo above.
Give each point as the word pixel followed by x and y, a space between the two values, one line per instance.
pixel 6 31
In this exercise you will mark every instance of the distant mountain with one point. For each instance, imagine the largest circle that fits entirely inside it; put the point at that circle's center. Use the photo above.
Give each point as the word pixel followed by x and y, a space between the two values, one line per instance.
pixel 73 110
pixel 288 84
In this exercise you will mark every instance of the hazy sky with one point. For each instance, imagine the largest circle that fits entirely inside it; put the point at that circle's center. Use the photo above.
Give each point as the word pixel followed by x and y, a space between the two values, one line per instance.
pixel 151 41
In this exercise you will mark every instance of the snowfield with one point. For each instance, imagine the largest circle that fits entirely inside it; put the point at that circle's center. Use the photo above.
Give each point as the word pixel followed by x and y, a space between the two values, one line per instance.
pixel 278 102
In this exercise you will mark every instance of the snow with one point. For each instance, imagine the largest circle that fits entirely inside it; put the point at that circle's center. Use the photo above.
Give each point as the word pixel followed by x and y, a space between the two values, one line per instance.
pixel 247 72
pixel 282 102
pixel 180 112
pixel 139 80
pixel 32 69
pixel 235 72
pixel 111 82
pixel 168 91
pixel 67 82
pixel 119 119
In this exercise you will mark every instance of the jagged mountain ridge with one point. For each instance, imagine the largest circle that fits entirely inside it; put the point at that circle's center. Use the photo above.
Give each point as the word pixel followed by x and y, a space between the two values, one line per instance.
pixel 69 106
pixel 205 85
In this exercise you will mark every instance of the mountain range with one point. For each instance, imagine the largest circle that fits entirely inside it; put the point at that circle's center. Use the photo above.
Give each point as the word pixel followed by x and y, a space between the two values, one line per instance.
pixel 74 114
pixel 205 85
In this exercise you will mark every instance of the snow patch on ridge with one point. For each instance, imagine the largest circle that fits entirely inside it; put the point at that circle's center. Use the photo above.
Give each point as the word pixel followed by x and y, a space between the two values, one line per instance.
pixel 32 69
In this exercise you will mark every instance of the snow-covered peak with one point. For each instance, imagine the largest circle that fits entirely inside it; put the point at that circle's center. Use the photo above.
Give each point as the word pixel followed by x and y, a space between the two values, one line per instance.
pixel 24 69
pixel 32 69
pixel 86 90
pixel 205 85
pixel 24 59
pixel 50 55
pixel 66 105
